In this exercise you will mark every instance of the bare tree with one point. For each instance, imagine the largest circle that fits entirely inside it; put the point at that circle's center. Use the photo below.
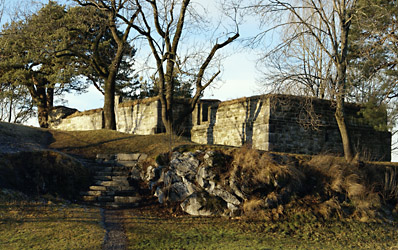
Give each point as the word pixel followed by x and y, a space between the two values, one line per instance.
pixel 1 9
pixel 162 24
pixel 327 23
pixel 299 68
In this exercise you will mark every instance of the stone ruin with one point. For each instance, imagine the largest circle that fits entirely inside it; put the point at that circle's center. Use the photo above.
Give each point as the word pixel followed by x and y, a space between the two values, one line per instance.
pixel 279 123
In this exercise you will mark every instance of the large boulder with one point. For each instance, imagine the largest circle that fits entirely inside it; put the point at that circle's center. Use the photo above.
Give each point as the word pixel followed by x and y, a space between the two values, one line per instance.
pixel 185 165
pixel 203 204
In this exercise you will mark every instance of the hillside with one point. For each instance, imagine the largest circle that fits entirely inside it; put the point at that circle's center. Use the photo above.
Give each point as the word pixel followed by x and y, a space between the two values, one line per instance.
pixel 260 183
pixel 16 138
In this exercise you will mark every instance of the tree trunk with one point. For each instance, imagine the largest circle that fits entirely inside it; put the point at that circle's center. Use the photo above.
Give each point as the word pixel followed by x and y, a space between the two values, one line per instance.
pixel 109 103
pixel 341 81
pixel 39 95
pixel 345 138
pixel 166 114
pixel 42 115
pixel 11 106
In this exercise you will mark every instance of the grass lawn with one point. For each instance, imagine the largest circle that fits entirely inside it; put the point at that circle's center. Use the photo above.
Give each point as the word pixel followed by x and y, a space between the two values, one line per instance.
pixel 146 230
pixel 36 225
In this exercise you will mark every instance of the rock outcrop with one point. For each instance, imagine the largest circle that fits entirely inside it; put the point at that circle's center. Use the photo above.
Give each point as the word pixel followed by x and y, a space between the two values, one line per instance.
pixel 195 183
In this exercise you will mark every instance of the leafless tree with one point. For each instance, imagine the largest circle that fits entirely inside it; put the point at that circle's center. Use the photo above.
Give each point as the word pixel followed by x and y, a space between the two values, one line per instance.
pixel 1 9
pixel 327 25
pixel 163 24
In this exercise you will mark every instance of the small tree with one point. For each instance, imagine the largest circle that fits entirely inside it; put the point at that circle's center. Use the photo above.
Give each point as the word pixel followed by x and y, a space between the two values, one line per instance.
pixel 15 103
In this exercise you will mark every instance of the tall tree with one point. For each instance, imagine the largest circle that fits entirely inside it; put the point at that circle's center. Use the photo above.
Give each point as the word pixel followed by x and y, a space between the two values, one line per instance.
pixel 93 48
pixel 112 10
pixel 47 51
pixel 28 49
pixel 1 9
pixel 374 50
pixel 373 70
pixel 163 23
pixel 328 23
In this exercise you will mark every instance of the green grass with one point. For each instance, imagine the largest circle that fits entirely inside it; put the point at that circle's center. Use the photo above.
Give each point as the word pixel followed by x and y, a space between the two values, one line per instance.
pixel 146 231
pixel 37 225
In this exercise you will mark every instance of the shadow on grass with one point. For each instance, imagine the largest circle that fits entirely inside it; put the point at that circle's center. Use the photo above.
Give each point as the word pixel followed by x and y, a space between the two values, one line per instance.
pixel 16 213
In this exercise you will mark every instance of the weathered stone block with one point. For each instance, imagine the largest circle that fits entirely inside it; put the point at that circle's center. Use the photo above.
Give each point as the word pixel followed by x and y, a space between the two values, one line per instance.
pixel 128 157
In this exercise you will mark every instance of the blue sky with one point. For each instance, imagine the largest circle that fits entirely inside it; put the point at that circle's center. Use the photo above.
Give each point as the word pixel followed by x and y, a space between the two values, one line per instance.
pixel 238 75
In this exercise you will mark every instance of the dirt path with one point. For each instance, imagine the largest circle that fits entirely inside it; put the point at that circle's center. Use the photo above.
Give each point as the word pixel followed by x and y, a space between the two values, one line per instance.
pixel 115 237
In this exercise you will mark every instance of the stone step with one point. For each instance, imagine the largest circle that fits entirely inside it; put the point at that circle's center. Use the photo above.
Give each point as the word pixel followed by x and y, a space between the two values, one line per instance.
pixel 112 183
pixel 112 173
pixel 103 169
pixel 121 173
pixel 119 193
pixel 94 193
pixel 128 163
pixel 127 199
pixel 120 188
pixel 103 177
pixel 106 198
pixel 115 205
pixel 111 186
pixel 120 178
pixel 89 198
pixel 97 188
pixel 125 193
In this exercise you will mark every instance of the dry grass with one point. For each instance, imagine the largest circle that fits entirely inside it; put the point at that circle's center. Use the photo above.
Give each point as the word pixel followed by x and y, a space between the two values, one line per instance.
pixel 90 143
pixel 252 168
pixel 326 186
pixel 362 190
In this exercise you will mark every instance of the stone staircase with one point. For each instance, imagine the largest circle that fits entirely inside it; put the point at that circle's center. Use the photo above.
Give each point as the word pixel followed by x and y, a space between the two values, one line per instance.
pixel 116 181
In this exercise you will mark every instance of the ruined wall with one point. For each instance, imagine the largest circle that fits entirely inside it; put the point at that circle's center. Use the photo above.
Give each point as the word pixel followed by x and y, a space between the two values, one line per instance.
pixel 287 124
pixel 87 120
pixel 139 117
pixel 142 117
pixel 269 122
pixel 308 126
pixel 235 123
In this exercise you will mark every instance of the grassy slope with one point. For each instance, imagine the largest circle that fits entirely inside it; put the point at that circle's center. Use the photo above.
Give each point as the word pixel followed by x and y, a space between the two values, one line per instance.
pixel 90 143
pixel 84 143
pixel 147 230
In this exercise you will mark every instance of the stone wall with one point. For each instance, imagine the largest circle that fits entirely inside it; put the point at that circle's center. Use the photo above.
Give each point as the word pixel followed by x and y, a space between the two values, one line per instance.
pixel 139 117
pixel 87 120
pixel 287 124
pixel 142 117
pixel 308 126
pixel 237 122
pixel 269 122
